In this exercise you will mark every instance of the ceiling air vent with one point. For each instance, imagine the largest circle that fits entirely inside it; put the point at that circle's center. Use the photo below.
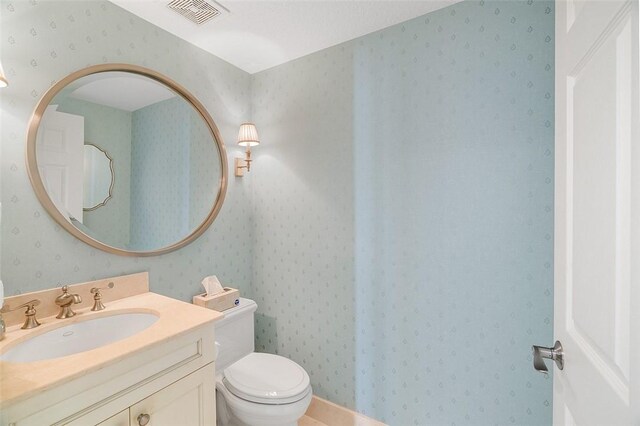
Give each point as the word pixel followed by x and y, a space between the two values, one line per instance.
pixel 197 11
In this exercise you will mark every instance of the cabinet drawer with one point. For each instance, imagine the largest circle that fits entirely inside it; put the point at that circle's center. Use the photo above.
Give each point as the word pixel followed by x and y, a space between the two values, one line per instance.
pixel 120 419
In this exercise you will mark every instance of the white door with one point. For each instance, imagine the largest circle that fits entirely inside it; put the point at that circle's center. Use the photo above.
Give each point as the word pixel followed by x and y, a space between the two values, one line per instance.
pixel 597 213
pixel 60 153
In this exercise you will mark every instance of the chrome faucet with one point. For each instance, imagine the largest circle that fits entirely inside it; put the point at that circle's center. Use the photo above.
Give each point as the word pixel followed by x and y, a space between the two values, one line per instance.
pixel 65 300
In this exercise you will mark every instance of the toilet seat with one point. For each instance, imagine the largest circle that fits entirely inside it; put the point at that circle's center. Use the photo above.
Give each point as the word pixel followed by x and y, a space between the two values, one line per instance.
pixel 267 379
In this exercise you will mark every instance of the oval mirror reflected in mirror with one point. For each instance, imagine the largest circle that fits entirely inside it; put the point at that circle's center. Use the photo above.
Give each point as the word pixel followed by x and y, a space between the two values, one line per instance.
pixel 151 178
pixel 98 178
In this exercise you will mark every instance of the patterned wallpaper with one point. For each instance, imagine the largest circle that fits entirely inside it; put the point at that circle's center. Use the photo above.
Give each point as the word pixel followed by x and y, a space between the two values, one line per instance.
pixel 396 230
pixel 403 212
pixel 110 129
pixel 171 150
pixel 41 42
pixel 204 170
pixel 159 203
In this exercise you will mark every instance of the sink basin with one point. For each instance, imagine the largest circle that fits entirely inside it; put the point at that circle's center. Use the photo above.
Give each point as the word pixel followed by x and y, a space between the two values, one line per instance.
pixel 79 337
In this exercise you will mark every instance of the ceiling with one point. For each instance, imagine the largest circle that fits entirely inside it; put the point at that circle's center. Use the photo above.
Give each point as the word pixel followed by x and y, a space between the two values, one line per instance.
pixel 120 90
pixel 256 35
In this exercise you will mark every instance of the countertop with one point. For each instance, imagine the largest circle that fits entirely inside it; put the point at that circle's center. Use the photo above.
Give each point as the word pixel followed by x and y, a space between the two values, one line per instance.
pixel 19 381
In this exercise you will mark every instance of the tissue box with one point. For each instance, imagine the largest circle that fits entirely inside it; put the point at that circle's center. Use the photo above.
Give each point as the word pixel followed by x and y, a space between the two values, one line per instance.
pixel 229 298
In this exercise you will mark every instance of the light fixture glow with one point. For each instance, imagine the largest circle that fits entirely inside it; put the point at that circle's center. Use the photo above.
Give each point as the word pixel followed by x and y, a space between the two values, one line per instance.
pixel 247 136
pixel 3 79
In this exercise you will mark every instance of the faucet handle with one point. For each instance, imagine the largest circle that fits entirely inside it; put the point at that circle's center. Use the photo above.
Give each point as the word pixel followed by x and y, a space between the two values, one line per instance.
pixel 30 314
pixel 30 304
pixel 62 299
pixel 97 297
pixel 96 290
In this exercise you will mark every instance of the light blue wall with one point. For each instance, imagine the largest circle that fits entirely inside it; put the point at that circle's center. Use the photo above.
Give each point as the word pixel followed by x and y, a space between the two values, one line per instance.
pixel 172 149
pixel 160 136
pixel 204 171
pixel 41 42
pixel 403 202
pixel 397 226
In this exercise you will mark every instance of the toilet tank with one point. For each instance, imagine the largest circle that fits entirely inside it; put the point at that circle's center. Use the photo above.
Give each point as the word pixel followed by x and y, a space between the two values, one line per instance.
pixel 234 333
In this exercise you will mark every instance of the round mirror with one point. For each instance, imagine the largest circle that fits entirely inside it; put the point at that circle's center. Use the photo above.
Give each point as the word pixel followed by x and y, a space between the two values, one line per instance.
pixel 153 176
pixel 98 177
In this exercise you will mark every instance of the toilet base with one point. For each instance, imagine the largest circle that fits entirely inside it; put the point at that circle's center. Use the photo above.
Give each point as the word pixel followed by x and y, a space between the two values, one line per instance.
pixel 234 421
pixel 233 411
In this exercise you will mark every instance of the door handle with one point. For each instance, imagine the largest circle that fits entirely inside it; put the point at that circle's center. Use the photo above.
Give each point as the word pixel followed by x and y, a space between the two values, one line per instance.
pixel 555 354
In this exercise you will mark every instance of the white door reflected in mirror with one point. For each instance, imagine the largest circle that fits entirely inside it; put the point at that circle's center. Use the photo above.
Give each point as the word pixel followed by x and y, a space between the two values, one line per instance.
pixel 60 142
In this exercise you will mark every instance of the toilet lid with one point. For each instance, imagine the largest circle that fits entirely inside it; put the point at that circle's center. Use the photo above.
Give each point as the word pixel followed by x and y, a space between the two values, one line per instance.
pixel 266 379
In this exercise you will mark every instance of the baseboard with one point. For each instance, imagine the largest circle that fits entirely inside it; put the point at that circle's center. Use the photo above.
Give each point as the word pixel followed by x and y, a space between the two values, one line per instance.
pixel 335 415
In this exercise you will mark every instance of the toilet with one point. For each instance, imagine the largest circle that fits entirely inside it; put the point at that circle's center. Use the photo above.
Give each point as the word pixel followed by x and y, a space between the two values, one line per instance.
pixel 255 389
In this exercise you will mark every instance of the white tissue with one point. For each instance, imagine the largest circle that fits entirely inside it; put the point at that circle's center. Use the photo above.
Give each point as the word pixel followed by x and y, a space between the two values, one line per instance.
pixel 1 294
pixel 212 286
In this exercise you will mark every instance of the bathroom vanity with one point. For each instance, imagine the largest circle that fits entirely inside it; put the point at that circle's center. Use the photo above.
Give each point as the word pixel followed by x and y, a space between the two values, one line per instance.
pixel 162 374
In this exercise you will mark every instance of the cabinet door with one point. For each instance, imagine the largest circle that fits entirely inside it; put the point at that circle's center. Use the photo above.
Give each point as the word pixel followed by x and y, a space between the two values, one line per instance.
pixel 190 401
pixel 120 419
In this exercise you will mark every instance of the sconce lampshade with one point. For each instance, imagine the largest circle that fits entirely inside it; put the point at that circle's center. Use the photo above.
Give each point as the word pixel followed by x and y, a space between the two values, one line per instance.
pixel 248 135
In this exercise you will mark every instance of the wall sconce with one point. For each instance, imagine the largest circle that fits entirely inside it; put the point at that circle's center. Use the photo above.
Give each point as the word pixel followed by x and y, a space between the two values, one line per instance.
pixel 3 79
pixel 247 136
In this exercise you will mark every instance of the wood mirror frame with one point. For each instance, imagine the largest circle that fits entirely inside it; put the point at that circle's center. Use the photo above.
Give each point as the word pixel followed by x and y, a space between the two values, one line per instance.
pixel 50 207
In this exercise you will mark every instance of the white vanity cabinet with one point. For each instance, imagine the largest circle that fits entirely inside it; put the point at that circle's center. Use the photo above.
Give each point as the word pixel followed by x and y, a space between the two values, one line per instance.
pixel 185 402
pixel 172 382
pixel 189 401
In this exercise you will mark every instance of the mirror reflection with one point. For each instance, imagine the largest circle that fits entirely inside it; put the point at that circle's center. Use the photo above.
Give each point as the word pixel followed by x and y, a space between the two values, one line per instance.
pixel 98 177
pixel 152 166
